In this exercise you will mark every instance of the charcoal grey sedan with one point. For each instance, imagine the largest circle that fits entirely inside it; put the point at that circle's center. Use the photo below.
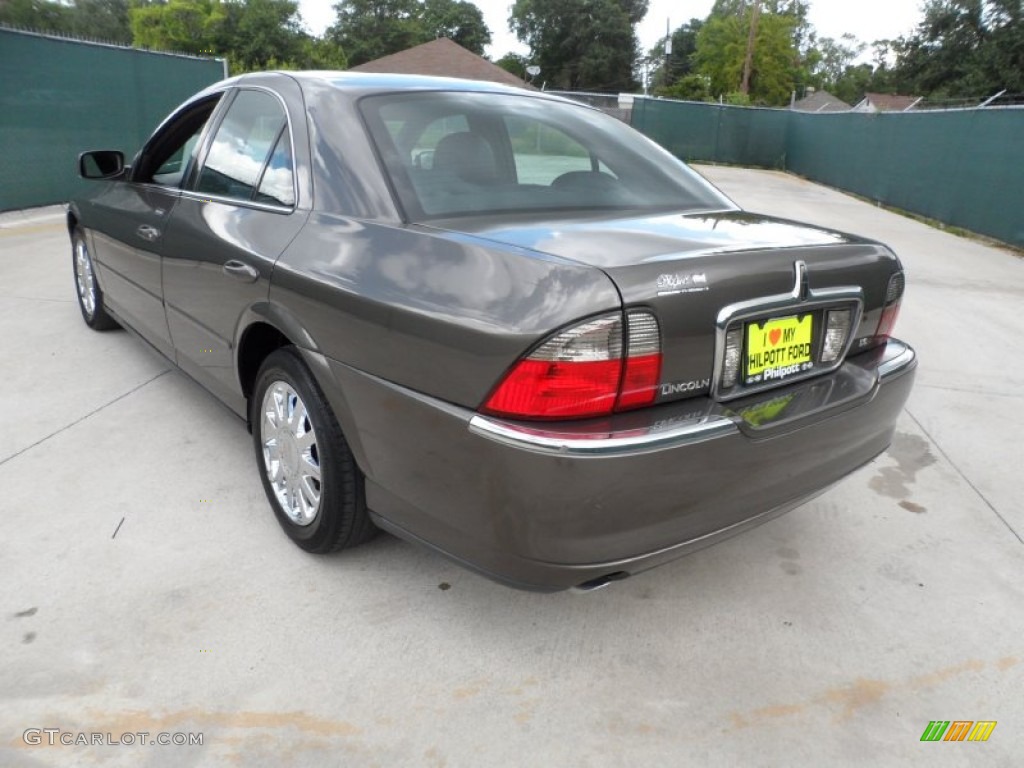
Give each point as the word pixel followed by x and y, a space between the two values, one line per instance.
pixel 491 321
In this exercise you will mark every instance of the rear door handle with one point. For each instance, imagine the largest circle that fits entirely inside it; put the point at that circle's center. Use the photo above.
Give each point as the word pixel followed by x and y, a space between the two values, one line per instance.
pixel 148 233
pixel 241 271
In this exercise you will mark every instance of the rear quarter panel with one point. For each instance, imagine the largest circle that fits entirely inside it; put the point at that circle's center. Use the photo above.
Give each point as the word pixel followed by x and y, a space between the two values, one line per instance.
pixel 439 316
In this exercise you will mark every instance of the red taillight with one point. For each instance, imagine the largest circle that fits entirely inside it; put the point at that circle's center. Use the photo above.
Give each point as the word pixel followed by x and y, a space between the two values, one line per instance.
pixel 891 310
pixel 549 390
pixel 640 383
pixel 643 363
pixel 581 372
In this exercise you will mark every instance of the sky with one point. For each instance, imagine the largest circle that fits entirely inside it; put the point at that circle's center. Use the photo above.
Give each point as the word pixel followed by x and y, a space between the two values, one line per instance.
pixel 868 20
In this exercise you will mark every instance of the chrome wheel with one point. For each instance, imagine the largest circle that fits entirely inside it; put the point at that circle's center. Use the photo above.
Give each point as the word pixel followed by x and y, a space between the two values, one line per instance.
pixel 291 457
pixel 84 279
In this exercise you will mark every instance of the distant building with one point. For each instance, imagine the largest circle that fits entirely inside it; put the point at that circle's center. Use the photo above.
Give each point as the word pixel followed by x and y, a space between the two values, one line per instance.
pixel 887 102
pixel 442 58
pixel 820 101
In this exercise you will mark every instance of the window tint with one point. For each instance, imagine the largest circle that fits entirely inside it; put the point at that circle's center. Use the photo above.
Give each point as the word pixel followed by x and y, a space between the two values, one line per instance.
pixel 166 158
pixel 463 153
pixel 422 151
pixel 172 170
pixel 253 128
pixel 543 152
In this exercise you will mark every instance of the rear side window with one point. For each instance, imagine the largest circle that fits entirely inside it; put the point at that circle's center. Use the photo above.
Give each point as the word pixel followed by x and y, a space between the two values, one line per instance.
pixel 250 157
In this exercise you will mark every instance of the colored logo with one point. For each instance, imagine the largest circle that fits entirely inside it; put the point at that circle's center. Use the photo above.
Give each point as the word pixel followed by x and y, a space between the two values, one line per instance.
pixel 958 730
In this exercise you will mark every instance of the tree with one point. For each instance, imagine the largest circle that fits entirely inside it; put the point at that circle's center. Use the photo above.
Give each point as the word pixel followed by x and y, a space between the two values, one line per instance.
pixel 855 82
pixel 827 63
pixel 313 53
pixel 101 20
pixel 258 32
pixel 369 29
pixel 581 44
pixel 963 48
pixel 458 20
pixel 97 19
pixel 665 71
pixel 688 88
pixel 722 45
pixel 251 34
pixel 36 14
pixel 188 26
pixel 514 63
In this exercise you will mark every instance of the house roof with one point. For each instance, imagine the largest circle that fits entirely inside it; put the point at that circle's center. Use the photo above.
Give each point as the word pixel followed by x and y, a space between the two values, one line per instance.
pixel 891 102
pixel 821 101
pixel 441 57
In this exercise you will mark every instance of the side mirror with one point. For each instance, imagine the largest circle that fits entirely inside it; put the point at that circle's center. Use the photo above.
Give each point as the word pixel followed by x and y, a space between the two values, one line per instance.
pixel 101 164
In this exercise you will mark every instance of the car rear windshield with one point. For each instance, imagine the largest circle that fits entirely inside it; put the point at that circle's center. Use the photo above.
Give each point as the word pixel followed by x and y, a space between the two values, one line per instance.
pixel 452 154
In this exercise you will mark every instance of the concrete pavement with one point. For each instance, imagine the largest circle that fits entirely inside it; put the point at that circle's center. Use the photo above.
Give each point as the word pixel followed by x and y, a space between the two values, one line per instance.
pixel 147 588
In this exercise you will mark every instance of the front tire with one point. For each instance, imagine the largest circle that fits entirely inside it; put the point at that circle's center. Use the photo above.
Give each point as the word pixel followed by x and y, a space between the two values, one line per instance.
pixel 307 468
pixel 90 297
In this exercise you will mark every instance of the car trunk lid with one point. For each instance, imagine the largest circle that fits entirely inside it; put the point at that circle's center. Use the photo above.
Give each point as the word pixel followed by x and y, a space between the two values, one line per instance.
pixel 705 273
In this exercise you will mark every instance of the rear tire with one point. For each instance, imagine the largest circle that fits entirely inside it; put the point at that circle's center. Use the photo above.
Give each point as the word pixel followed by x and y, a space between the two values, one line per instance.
pixel 307 468
pixel 90 297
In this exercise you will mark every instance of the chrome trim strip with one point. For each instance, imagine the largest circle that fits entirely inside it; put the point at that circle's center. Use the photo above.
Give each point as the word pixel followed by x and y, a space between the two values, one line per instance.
pixel 561 444
pixel 896 365
pixel 203 197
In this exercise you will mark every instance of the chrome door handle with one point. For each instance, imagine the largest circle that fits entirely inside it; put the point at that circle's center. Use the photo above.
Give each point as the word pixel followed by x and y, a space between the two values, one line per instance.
pixel 146 232
pixel 241 271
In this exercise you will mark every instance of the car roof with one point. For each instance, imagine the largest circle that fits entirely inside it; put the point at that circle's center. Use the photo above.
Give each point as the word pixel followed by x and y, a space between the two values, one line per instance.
pixel 365 83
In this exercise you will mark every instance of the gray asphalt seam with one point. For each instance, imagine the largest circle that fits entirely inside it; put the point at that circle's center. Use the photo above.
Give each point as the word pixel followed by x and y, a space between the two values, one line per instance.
pixel 83 418
pixel 967 480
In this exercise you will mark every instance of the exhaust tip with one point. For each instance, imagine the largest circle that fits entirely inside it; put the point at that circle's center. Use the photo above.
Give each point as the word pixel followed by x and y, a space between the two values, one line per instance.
pixel 600 582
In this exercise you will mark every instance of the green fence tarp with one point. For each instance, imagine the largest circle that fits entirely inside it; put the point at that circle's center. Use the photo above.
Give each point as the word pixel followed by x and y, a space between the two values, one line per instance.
pixel 59 97
pixel 961 167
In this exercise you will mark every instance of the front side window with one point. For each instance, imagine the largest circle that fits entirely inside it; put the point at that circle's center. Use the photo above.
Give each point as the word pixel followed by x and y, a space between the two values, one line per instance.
pixel 453 154
pixel 166 158
pixel 250 156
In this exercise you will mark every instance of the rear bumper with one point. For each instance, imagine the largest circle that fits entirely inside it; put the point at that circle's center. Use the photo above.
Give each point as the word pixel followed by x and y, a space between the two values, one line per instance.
pixel 549 507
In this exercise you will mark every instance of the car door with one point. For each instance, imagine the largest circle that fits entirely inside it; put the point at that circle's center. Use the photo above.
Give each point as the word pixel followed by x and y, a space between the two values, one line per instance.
pixel 235 217
pixel 127 221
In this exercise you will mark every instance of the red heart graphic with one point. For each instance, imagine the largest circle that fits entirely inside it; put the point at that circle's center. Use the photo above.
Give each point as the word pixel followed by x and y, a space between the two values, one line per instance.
pixel 774 335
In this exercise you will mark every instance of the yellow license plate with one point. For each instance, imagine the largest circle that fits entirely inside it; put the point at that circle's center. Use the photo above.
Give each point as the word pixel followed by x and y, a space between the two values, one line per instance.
pixel 779 348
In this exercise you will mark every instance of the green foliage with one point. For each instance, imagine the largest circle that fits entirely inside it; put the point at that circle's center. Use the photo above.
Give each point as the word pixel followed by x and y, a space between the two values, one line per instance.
pixel 260 30
pixel 318 53
pixel 964 48
pixel 252 34
pixel 737 99
pixel 188 26
pixel 664 71
pixel 369 29
pixel 854 83
pixel 581 44
pixel 458 20
pixel 514 63
pixel 95 19
pixel 688 88
pixel 722 47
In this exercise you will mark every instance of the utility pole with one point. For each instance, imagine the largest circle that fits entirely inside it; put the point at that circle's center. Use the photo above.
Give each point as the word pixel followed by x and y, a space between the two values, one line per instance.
pixel 665 75
pixel 748 63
